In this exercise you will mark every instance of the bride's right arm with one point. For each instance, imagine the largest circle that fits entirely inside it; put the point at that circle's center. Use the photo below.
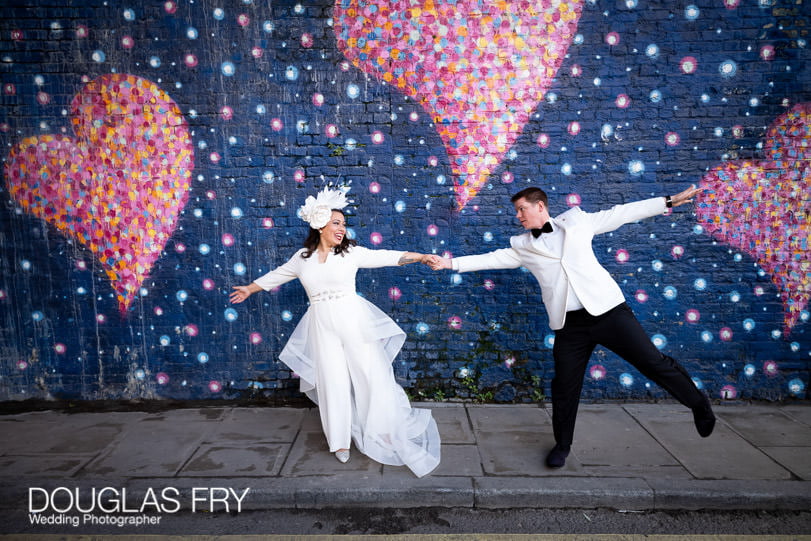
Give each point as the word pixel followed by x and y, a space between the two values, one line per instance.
pixel 278 276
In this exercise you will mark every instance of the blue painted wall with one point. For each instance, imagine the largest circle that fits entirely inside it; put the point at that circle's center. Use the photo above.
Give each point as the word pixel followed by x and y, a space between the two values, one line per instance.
pixel 274 110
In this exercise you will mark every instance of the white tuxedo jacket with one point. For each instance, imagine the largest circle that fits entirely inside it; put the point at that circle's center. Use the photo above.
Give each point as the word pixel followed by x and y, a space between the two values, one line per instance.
pixel 576 266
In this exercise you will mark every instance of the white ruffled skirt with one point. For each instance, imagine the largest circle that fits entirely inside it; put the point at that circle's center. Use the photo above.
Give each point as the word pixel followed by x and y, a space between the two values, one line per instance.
pixel 342 350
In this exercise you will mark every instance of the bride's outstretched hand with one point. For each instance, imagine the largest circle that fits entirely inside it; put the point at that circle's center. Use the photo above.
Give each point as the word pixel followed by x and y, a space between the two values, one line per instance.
pixel 686 196
pixel 240 294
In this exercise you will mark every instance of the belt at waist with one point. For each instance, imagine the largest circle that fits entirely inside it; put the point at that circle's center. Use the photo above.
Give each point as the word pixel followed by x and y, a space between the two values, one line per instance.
pixel 322 296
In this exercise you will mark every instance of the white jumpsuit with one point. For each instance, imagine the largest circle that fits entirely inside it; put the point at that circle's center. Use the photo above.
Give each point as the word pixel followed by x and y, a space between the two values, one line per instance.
pixel 342 350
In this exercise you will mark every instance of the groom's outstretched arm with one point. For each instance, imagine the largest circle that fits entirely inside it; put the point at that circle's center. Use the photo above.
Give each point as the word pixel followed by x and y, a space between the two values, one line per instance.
pixel 505 258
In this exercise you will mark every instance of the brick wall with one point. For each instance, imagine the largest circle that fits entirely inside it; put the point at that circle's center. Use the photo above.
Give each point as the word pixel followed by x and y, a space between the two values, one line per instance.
pixel 124 224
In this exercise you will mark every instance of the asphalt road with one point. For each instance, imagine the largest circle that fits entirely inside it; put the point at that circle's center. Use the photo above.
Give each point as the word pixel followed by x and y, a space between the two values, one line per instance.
pixel 760 524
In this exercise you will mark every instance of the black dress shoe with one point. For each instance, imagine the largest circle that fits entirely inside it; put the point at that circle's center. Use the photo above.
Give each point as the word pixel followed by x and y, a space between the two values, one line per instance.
pixel 557 456
pixel 704 418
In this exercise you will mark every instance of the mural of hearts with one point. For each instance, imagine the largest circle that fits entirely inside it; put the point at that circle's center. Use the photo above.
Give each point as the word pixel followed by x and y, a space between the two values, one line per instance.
pixel 763 208
pixel 119 185
pixel 478 68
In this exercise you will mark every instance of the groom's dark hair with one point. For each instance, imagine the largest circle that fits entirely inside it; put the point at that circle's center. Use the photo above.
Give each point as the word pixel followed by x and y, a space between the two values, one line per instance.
pixel 531 194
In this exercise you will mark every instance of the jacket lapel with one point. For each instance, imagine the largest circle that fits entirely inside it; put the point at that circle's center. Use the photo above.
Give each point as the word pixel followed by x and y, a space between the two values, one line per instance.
pixel 537 245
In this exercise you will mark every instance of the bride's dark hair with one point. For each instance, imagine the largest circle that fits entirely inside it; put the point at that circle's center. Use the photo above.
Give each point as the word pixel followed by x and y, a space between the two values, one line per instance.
pixel 313 238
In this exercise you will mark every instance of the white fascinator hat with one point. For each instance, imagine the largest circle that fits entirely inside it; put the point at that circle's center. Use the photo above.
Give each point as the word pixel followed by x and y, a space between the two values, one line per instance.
pixel 317 210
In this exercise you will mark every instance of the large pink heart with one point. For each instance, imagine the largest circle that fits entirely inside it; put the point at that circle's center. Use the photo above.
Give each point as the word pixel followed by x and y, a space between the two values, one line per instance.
pixel 479 69
pixel 118 187
pixel 763 208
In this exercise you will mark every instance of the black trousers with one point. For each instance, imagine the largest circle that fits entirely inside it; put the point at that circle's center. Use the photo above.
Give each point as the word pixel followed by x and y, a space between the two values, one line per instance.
pixel 620 331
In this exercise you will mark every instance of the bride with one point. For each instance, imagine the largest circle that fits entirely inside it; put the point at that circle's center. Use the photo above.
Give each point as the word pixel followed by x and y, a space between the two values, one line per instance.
pixel 343 347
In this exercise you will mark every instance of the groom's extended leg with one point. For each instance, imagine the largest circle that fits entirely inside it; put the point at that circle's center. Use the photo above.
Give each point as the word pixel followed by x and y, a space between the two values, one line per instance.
pixel 623 335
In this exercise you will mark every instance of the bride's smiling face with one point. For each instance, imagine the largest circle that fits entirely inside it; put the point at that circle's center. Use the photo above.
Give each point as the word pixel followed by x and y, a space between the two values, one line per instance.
pixel 335 230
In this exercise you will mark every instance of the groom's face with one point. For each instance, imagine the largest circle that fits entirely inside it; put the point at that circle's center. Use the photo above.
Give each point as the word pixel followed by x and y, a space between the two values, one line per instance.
pixel 531 215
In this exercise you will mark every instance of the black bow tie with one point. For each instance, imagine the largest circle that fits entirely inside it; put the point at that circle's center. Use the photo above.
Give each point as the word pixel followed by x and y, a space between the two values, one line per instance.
pixel 547 228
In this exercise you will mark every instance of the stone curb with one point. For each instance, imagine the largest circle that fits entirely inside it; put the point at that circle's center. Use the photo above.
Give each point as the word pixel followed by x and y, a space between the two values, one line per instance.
pixel 350 491
pixel 726 495
pixel 563 492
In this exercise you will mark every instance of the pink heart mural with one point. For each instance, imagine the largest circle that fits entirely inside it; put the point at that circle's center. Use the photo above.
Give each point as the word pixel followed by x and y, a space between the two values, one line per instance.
pixel 763 208
pixel 478 68
pixel 119 185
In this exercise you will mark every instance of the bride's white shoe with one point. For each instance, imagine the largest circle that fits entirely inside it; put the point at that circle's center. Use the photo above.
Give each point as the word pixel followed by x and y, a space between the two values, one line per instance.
pixel 342 456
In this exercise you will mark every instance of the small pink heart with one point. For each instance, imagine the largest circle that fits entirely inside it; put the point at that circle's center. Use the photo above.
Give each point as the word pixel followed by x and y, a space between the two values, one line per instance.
pixel 479 69
pixel 763 208
pixel 119 185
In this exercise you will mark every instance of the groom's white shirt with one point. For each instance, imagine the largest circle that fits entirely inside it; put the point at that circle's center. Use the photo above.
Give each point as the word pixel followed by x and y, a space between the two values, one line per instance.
pixel 568 265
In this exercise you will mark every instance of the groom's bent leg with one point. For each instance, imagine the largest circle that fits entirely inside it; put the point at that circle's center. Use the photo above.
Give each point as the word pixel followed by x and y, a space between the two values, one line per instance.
pixel 622 334
pixel 572 349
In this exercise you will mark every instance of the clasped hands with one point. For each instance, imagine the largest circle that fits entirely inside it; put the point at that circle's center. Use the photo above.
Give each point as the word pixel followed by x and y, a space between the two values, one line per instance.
pixel 435 262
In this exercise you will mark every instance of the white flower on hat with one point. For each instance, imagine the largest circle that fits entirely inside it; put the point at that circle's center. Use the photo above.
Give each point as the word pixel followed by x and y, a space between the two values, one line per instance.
pixel 317 210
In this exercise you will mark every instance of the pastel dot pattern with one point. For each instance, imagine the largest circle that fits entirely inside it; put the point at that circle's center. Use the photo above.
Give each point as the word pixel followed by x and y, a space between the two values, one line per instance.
pixel 118 186
pixel 478 69
pixel 763 208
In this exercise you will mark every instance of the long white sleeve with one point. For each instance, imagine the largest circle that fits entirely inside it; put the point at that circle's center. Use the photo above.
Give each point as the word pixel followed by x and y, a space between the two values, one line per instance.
pixel 373 259
pixel 618 215
pixel 505 258
pixel 281 274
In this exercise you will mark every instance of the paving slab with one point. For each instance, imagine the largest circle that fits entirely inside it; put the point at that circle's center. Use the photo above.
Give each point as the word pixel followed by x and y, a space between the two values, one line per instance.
pixel 456 461
pixel 453 424
pixel 492 418
pixel 795 459
pixel 766 426
pixel 23 435
pixel 610 442
pixel 258 425
pixel 310 421
pixel 522 452
pixel 613 440
pixel 801 414
pixel 310 456
pixel 723 455
pixel 212 460
pixel 63 466
pixel 157 445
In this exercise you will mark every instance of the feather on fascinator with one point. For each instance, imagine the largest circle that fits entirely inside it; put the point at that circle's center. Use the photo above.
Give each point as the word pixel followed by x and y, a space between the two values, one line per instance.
pixel 317 210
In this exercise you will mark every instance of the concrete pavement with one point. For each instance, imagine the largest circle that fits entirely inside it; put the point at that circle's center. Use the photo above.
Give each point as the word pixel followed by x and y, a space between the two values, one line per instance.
pixel 632 456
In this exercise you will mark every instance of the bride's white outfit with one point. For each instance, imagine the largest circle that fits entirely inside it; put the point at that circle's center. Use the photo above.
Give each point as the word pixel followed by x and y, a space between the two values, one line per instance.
pixel 342 350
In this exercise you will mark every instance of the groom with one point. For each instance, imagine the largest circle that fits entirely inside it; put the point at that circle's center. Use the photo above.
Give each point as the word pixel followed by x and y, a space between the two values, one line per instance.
pixel 585 305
